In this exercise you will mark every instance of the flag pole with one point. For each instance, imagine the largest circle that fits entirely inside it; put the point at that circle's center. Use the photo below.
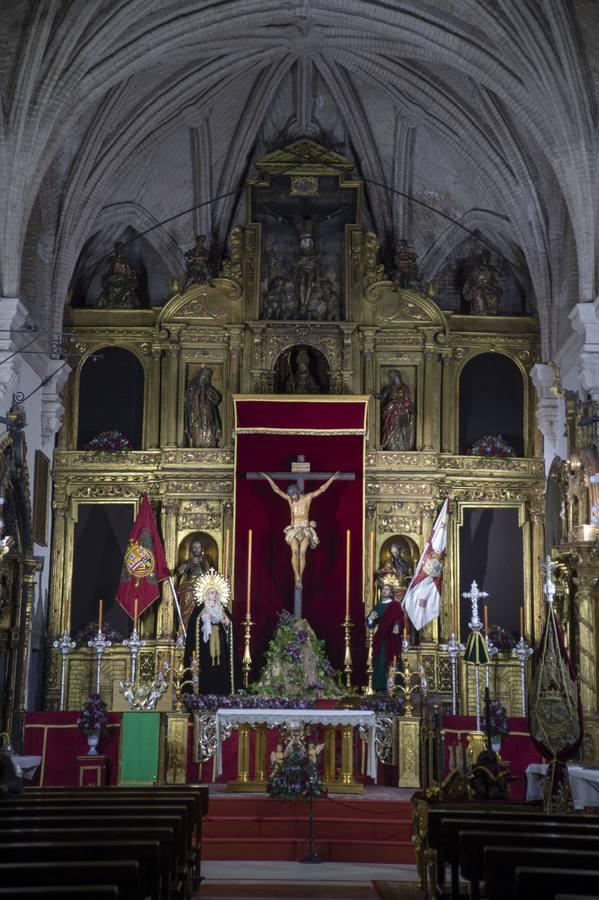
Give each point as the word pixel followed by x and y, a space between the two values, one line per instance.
pixel 170 581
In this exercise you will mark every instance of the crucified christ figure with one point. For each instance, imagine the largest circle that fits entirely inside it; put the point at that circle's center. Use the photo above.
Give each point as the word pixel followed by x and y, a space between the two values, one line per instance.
pixel 301 533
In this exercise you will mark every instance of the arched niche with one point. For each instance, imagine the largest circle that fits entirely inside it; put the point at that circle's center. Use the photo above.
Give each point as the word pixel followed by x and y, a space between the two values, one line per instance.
pixel 111 396
pixel 208 542
pixel 491 389
pixel 408 550
pixel 301 369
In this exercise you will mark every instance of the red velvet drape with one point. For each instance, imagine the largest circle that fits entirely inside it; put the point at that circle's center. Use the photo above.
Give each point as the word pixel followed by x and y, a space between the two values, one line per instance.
pixel 330 433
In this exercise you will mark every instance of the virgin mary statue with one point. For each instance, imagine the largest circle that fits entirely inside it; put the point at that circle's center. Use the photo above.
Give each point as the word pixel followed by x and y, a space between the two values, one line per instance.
pixel 210 635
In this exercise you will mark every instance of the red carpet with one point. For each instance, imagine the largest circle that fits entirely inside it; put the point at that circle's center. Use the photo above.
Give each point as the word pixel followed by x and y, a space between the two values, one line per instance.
pixel 346 829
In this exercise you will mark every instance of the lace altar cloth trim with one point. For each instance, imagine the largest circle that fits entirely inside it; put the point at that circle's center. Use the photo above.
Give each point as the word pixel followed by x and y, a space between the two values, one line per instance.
pixel 273 718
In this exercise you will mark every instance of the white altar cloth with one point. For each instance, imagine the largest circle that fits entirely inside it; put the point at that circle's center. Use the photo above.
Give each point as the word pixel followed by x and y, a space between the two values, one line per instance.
pixel 584 784
pixel 272 718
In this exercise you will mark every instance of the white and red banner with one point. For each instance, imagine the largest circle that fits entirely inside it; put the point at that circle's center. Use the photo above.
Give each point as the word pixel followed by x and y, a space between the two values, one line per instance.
pixel 422 601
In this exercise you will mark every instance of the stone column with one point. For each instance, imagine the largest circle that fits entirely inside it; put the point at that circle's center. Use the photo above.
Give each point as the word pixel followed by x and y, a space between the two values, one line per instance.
pixel 550 413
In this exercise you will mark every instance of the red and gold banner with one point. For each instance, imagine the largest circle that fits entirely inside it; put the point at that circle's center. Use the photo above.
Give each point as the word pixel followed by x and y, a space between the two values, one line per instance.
pixel 144 565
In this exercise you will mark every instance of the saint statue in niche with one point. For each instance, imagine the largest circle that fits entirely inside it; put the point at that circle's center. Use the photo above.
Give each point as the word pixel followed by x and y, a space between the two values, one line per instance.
pixel 396 569
pixel 388 619
pixel 482 289
pixel 198 271
pixel 405 273
pixel 202 418
pixel 397 413
pixel 210 636
pixel 300 380
pixel 301 533
pixel 119 285
pixel 187 575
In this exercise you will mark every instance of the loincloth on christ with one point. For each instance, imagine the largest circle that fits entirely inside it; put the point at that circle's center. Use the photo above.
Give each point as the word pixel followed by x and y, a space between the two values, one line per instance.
pixel 301 532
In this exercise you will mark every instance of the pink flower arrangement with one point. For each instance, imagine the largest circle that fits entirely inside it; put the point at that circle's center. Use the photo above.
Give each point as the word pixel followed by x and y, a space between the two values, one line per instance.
pixel 109 441
pixel 492 445
pixel 93 716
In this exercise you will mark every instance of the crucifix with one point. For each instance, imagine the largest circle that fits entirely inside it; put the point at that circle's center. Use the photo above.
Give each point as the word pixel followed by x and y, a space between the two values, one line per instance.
pixel 301 532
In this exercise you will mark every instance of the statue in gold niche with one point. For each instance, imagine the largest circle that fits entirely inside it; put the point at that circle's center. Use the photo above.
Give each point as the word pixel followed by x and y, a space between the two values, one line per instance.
pixel 202 418
pixel 482 289
pixel 198 271
pixel 301 380
pixel 397 413
pixel 406 266
pixel 187 575
pixel 119 285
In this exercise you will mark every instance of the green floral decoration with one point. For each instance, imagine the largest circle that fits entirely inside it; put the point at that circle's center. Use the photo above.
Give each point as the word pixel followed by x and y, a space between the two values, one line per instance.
pixel 296 776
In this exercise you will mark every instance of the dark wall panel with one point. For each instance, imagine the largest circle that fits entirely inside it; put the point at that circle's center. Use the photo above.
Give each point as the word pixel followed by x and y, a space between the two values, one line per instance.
pixel 491 553
pixel 491 401
pixel 100 539
pixel 111 396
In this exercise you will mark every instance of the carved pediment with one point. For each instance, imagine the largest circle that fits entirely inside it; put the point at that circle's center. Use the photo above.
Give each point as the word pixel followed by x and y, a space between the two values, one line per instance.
pixel 304 156
pixel 202 302
pixel 394 306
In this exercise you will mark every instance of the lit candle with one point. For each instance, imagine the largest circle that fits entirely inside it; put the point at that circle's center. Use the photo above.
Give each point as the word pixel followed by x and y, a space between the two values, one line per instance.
pixel 135 614
pixel 100 608
pixel 347 549
pixel 521 621
pixel 486 619
pixel 226 554
pixel 405 630
pixel 249 582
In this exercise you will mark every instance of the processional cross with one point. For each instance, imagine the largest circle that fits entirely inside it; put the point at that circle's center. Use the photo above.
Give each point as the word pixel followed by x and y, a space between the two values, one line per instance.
pixel 300 533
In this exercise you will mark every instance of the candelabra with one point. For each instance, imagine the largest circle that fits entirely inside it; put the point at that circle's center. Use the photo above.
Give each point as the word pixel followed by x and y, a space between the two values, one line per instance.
pixel 134 643
pixel 246 663
pixel 99 644
pixel 65 645
pixel 492 652
pixel 453 648
pixel 369 661
pixel 411 681
pixel 522 651
pixel 179 679
pixel 347 660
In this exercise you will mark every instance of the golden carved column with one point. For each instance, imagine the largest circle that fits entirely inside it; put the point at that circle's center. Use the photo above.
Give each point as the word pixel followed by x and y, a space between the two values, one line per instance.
pixel 428 406
pixel 169 406
pixel 153 406
pixel 448 404
pixel 174 742
pixel 18 654
pixel 260 754
pixel 168 620
pixel 534 626
pixel 369 376
pixel 330 768
pixel 409 752
pixel 243 758
pixel 587 573
pixel 57 592
pixel 235 333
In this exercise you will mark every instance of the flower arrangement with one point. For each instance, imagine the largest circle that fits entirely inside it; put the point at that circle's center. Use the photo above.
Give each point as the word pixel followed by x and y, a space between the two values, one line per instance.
pixel 89 632
pixel 93 718
pixel 296 776
pixel 109 442
pixel 498 719
pixel 492 445
pixel 296 664
pixel 207 703
pixel 502 638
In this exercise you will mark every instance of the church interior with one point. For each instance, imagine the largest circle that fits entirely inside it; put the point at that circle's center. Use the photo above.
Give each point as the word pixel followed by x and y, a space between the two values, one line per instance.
pixel 299 449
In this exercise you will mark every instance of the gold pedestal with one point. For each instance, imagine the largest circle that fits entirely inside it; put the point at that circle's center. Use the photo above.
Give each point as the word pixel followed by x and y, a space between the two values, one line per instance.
pixel 345 784
pixel 476 742
pixel 173 768
pixel 243 781
pixel 409 752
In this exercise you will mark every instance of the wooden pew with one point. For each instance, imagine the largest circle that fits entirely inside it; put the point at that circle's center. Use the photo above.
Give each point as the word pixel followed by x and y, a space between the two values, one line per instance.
pixel 146 854
pixel 122 874
pixel 472 846
pixel 551 883
pixel 71 892
pixel 500 864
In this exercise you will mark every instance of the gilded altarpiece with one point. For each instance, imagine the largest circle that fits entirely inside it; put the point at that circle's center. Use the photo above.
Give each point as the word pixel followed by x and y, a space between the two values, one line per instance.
pixel 337 305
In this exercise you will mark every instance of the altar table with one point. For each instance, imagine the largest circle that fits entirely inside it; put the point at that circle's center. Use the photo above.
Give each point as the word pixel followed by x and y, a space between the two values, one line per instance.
pixel 293 720
pixel 584 784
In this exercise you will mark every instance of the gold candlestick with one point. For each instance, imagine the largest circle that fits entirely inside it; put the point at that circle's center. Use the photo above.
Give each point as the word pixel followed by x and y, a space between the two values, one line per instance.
pixel 369 660
pixel 178 677
pixel 246 664
pixel 412 681
pixel 347 661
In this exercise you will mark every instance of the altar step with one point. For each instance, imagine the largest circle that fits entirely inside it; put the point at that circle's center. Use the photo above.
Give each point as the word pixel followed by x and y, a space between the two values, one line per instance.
pixel 352 830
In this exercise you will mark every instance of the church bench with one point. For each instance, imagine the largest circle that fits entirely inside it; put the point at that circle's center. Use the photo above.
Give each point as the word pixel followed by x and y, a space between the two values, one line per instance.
pixel 164 837
pixel 146 853
pixel 122 874
pixel 564 837
pixel 60 891
pixel 548 883
pixel 500 864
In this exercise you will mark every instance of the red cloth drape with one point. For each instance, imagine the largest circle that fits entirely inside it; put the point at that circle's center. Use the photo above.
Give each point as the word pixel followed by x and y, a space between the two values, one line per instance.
pixel 330 433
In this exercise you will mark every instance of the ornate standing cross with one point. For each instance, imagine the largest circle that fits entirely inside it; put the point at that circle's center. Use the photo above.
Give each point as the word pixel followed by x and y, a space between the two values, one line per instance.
pixel 475 595
pixel 299 474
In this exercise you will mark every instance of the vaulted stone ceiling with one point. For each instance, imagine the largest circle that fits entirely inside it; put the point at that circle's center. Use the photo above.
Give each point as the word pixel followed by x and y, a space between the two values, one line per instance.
pixel 119 114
